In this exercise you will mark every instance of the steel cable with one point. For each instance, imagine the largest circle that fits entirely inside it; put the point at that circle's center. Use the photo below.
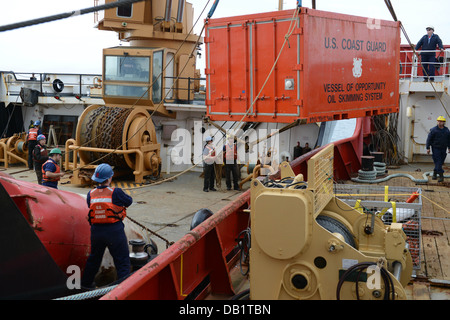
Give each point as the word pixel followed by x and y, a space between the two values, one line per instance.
pixel 66 15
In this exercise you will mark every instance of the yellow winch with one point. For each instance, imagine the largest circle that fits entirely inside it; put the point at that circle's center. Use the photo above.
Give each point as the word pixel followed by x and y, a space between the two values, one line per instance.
pixel 308 244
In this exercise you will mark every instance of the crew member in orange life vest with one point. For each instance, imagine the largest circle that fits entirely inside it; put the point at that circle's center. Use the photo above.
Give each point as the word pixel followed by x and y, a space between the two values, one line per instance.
pixel 230 159
pixel 209 157
pixel 32 142
pixel 51 172
pixel 107 209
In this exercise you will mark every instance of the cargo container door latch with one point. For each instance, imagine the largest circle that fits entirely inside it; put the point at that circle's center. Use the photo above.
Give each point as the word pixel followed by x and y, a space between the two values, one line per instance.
pixel 283 97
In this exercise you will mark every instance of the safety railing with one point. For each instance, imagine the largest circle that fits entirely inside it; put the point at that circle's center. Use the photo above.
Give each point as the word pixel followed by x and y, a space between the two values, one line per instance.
pixel 186 86
pixel 50 84
pixel 412 66
pixel 320 177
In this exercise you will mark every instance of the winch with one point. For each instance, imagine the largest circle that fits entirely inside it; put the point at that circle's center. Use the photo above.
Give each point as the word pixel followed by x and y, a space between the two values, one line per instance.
pixel 308 244
pixel 122 137
pixel 14 149
pixel 139 254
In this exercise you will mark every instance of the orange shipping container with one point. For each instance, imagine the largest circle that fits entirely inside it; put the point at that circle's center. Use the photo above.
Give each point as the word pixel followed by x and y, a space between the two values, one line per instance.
pixel 331 67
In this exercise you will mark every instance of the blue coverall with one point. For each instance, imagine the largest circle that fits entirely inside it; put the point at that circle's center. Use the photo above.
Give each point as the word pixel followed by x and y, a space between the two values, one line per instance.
pixel 429 58
pixel 111 236
pixel 439 141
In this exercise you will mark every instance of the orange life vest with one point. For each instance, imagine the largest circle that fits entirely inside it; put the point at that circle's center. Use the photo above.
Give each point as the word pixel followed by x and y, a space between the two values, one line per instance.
pixel 211 153
pixel 44 176
pixel 102 209
pixel 230 151
pixel 32 134
pixel 211 150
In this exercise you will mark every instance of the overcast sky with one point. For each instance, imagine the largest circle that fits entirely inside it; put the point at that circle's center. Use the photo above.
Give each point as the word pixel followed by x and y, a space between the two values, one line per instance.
pixel 74 45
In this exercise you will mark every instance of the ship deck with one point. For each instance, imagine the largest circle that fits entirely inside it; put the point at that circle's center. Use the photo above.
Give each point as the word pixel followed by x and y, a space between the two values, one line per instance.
pixel 166 211
pixel 432 280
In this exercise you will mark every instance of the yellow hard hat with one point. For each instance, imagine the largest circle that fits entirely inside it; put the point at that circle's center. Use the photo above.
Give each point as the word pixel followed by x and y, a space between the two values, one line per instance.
pixel 441 118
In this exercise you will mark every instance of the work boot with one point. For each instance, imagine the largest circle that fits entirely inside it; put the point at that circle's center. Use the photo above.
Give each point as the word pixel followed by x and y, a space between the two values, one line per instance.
pixel 441 177
pixel 434 175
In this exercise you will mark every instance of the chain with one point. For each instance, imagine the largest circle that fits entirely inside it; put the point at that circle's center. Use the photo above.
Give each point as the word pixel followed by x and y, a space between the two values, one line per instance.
pixel 168 243
pixel 109 123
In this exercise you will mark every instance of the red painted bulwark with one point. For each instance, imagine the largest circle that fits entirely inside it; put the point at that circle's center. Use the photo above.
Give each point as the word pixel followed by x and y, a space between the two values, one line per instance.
pixel 202 258
pixel 339 66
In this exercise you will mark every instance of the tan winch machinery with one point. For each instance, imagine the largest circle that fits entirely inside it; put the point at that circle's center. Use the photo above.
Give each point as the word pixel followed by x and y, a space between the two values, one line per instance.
pixel 122 137
pixel 158 67
pixel 308 244
pixel 14 149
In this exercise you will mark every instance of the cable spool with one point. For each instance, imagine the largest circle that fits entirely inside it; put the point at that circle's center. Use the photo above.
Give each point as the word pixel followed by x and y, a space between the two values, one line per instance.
pixel 336 226
pixel 17 146
pixel 377 169
pixel 104 127
pixel 20 147
pixel 380 168
pixel 367 175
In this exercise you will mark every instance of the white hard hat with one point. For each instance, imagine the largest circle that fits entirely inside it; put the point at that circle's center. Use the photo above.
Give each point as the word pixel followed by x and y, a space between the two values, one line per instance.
pixel 208 138
pixel 430 27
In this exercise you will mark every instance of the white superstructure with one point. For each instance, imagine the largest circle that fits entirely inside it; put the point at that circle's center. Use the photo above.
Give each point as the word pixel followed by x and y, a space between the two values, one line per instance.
pixel 421 103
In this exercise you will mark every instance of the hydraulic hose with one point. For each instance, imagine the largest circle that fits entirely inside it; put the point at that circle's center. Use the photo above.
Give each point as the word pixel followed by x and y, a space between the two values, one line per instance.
pixel 397 175
pixel 359 267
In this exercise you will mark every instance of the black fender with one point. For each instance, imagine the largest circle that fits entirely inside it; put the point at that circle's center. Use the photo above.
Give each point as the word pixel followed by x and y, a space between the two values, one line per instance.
pixel 200 216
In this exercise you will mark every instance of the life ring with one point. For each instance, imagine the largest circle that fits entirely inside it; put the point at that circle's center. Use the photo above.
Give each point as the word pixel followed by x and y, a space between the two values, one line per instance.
pixel 58 85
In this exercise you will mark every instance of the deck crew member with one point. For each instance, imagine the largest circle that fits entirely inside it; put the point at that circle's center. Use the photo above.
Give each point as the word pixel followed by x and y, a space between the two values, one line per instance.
pixel 306 148
pixel 107 209
pixel 209 157
pixel 298 150
pixel 40 156
pixel 439 141
pixel 32 142
pixel 230 159
pixel 51 172
pixel 429 42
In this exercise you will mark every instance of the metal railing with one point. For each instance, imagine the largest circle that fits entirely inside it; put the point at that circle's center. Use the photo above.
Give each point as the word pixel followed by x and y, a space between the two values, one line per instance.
pixel 320 177
pixel 411 65
pixel 49 84
pixel 189 88
pixel 80 85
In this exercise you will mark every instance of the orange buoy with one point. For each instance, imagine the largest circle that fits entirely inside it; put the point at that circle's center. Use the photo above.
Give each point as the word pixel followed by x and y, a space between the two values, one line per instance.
pixel 413 197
